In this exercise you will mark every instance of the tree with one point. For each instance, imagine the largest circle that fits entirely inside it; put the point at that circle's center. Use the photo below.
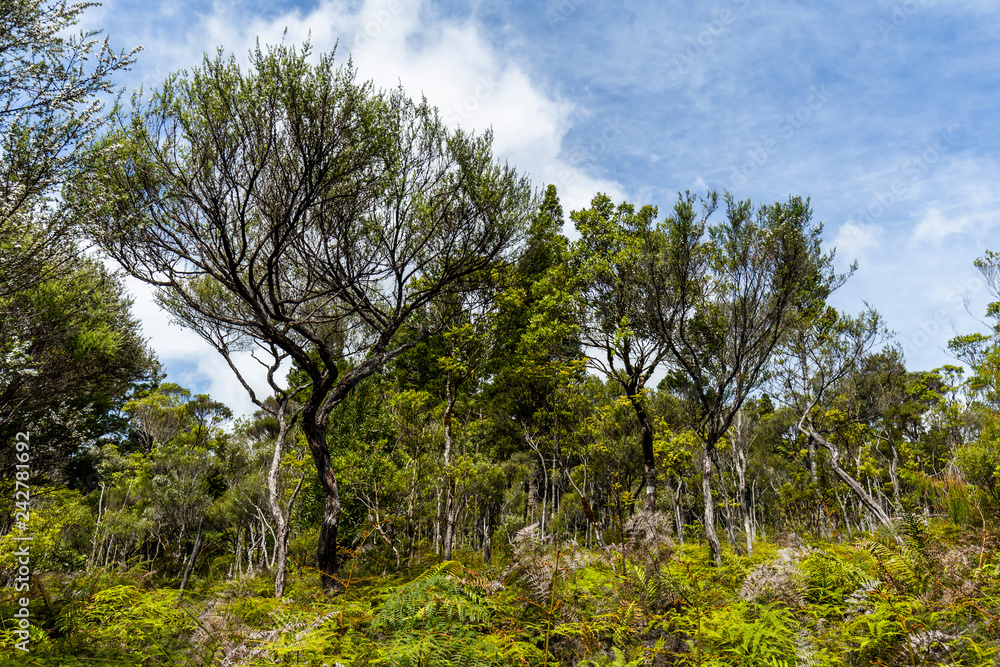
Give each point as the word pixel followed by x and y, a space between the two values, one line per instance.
pixel 292 210
pixel 723 297
pixel 55 374
pixel 50 89
pixel 613 255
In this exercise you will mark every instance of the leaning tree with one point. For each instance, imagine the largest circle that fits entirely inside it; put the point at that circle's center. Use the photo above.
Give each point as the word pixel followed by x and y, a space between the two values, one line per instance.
pixel 816 376
pixel 292 210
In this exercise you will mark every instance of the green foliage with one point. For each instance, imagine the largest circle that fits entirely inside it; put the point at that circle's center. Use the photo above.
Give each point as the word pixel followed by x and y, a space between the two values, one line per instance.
pixel 442 619
pixel 748 634
pixel 830 578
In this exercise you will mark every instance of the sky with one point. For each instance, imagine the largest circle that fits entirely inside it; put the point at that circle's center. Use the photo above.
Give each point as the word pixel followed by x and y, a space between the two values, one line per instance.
pixel 884 113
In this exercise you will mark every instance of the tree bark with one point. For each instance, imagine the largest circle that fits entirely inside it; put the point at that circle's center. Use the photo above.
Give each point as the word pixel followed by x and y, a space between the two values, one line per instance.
pixel 198 541
pixel 678 518
pixel 706 487
pixel 449 477
pixel 327 556
pixel 278 514
pixel 487 537
pixel 648 456
pixel 740 447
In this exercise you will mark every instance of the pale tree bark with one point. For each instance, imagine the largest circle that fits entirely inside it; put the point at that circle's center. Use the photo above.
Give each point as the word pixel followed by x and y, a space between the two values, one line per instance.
pixel 280 513
pixel 195 552
pixel 449 475
pixel 709 515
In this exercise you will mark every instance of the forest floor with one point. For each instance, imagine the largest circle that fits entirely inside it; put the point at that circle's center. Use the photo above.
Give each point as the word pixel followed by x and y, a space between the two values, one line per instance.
pixel 928 596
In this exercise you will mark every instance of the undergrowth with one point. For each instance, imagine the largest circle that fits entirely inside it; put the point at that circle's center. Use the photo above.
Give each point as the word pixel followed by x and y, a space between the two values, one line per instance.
pixel 916 596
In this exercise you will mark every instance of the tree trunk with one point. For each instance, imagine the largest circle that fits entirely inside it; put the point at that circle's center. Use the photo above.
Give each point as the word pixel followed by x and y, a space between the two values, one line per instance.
pixel 894 474
pixel 194 556
pixel 678 517
pixel 740 447
pixel 327 557
pixel 487 537
pixel 237 563
pixel 278 514
pixel 648 457
pixel 706 487
pixel 588 511
pixel 449 477
pixel 411 528
pixel 437 523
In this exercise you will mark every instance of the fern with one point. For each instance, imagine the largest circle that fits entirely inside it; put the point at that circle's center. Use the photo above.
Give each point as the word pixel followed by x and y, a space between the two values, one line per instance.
pixel 900 562
pixel 446 617
pixel 744 634
pixel 830 579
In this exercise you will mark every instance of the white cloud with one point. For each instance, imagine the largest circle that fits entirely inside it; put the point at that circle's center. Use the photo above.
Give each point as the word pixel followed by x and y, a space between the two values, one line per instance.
pixel 856 239
pixel 960 199
pixel 191 361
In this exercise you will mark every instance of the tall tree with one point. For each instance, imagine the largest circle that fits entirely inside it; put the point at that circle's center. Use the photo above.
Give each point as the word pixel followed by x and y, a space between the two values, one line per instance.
pixel 55 374
pixel 616 248
pixel 291 208
pixel 723 296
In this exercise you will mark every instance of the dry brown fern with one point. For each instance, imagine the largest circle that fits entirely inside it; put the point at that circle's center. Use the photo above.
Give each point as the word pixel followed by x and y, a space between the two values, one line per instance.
pixel 777 581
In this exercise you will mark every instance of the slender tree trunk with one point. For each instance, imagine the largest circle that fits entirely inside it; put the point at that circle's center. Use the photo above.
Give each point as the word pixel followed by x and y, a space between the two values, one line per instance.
pixel 588 511
pixel 740 447
pixel 678 515
pixel 648 457
pixel 532 497
pixel 97 529
pixel 487 537
pixel 706 487
pixel 449 477
pixel 198 540
pixel 278 513
pixel 437 523
pixel 411 528
pixel 894 474
pixel 237 563
pixel 545 482
pixel 251 544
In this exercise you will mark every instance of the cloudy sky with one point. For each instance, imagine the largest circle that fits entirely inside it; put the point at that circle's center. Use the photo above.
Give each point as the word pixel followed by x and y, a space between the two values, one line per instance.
pixel 884 113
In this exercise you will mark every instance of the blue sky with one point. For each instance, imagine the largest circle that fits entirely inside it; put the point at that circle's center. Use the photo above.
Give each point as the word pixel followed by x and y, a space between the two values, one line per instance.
pixel 884 113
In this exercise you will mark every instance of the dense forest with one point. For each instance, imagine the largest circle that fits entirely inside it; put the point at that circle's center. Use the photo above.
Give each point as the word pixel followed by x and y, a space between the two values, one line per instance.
pixel 491 433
